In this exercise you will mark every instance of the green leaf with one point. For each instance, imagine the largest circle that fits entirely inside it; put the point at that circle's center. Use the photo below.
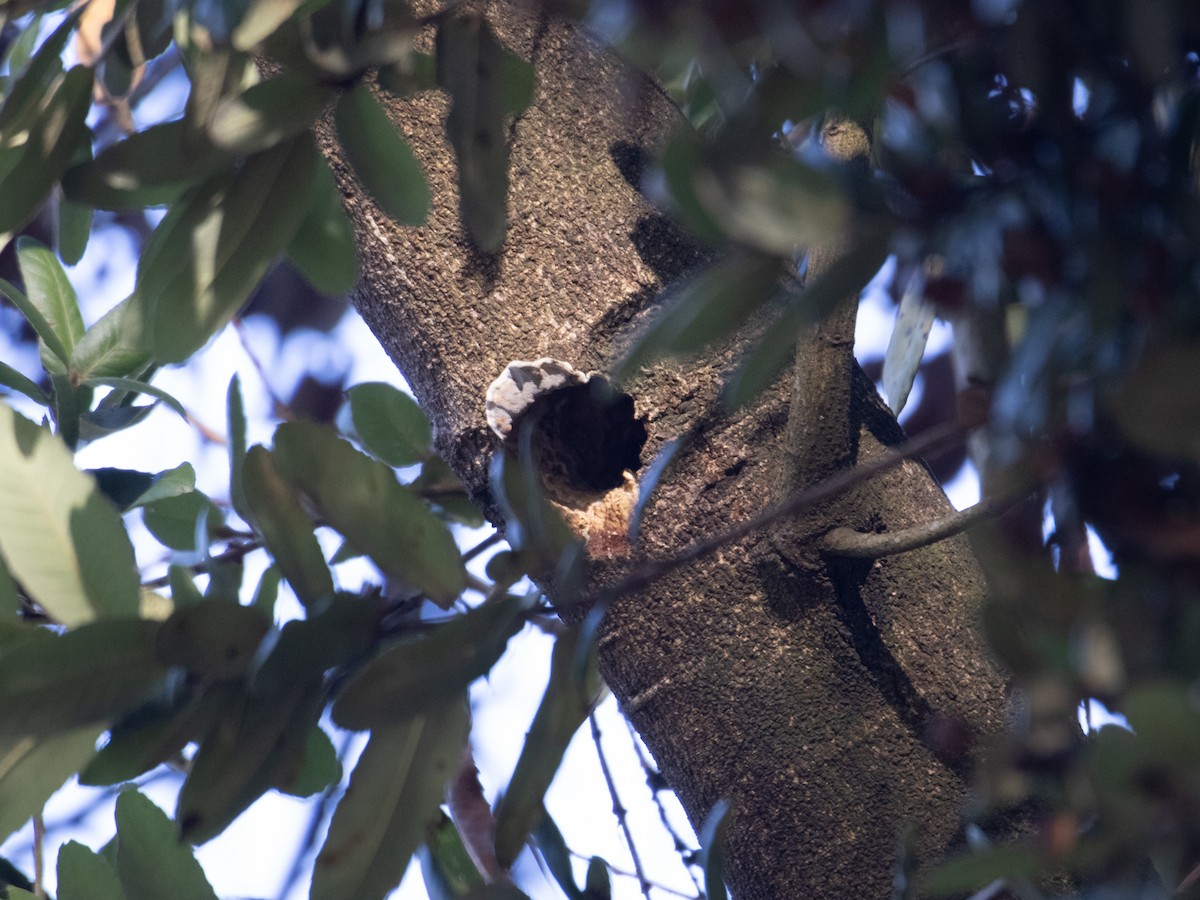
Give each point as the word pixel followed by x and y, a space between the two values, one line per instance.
pixel 381 157
pixel 486 84
pixel 122 486
pixel 260 744
pixel 33 767
pixel 438 484
pixel 113 346
pixel 446 866
pixel 133 386
pixel 68 399
pixel 361 498
pixel 267 591
pixel 10 601
pixel 906 347
pixel 24 98
pixel 413 676
pixel 210 252
pixel 55 135
pixel 85 676
pixel 323 248
pixel 571 695
pixel 390 423
pixel 48 338
pixel 415 73
pixel 49 289
pixel 267 113
pixel 712 849
pixel 74 220
pixel 709 307
pixel 173 520
pixel 154 733
pixel 261 19
pixel 394 792
pixel 170 483
pixel 11 378
pixel 320 768
pixel 235 426
pixel 211 639
pixel 970 872
pixel 534 528
pixel 763 363
pixel 183 587
pixel 59 535
pixel 149 168
pixel 151 861
pixel 286 528
pixel 597 885
pixel 555 854
pixel 85 875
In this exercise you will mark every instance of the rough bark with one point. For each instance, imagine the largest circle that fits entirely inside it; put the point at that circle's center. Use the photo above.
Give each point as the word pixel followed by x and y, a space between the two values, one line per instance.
pixel 816 695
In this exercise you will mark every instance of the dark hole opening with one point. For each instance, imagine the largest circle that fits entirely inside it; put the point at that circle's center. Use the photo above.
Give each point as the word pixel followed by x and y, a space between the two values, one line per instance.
pixel 586 436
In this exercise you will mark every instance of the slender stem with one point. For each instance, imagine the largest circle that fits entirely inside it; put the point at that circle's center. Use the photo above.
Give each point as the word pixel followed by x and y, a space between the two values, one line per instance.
pixel 868 545
pixel 618 810
pixel 39 862
pixel 490 541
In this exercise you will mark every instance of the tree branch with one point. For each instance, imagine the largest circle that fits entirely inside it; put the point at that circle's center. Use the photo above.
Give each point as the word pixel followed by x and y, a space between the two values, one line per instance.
pixel 845 541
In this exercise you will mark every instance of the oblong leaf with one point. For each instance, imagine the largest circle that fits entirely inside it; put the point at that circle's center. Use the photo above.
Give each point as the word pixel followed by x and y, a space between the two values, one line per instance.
pixel 33 767
pixel 906 347
pixel 287 530
pixel 394 791
pixel 362 499
pixel 390 423
pixel 414 676
pixel 84 874
pixel 113 346
pixel 323 248
pixel 210 252
pixel 266 113
pixel 381 157
pixel 87 675
pixel 151 861
pixel 60 537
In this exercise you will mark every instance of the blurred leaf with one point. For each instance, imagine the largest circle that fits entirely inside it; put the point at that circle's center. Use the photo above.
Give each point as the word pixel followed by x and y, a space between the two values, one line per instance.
pixel 319 769
pixel 486 84
pixel 709 307
pixel 598 885
pixel 1151 414
pixel 267 591
pixel 394 792
pixel 184 591
pixel 87 675
pixel 54 137
pixel 416 73
pixel 286 528
pixel 173 519
pixel 85 875
pixel 438 484
pixel 361 498
pixel 235 426
pixel 532 526
pixel 381 157
pixel 68 399
pixel 101 422
pixel 260 20
pixel 10 601
pixel 33 767
pixel 681 161
pixel 713 834
pixel 267 113
pixel 971 872
pixel 154 733
pixel 151 861
pixel 570 697
pixel 323 248
pixel 74 220
pixel 906 347
pixel 260 744
pixel 555 854
pixel 211 250
pixel 390 423
pixel 149 168
pixel 113 346
pixel 47 287
pixel 11 378
pixel 213 640
pixel 21 104
pixel 413 676
pixel 445 863
pixel 846 277
pixel 122 486
pixel 60 537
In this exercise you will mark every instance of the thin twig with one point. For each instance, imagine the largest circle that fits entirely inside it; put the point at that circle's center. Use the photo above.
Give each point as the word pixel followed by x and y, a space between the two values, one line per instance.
pixel 618 810
pixel 681 846
pixel 280 409
pixel 616 870
pixel 235 552
pixel 846 541
pixel 490 541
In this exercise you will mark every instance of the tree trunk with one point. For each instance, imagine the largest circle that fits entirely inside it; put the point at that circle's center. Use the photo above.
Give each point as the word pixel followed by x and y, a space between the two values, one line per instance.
pixel 824 699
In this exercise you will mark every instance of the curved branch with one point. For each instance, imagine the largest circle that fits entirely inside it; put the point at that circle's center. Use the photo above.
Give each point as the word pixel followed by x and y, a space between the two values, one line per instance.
pixel 846 541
